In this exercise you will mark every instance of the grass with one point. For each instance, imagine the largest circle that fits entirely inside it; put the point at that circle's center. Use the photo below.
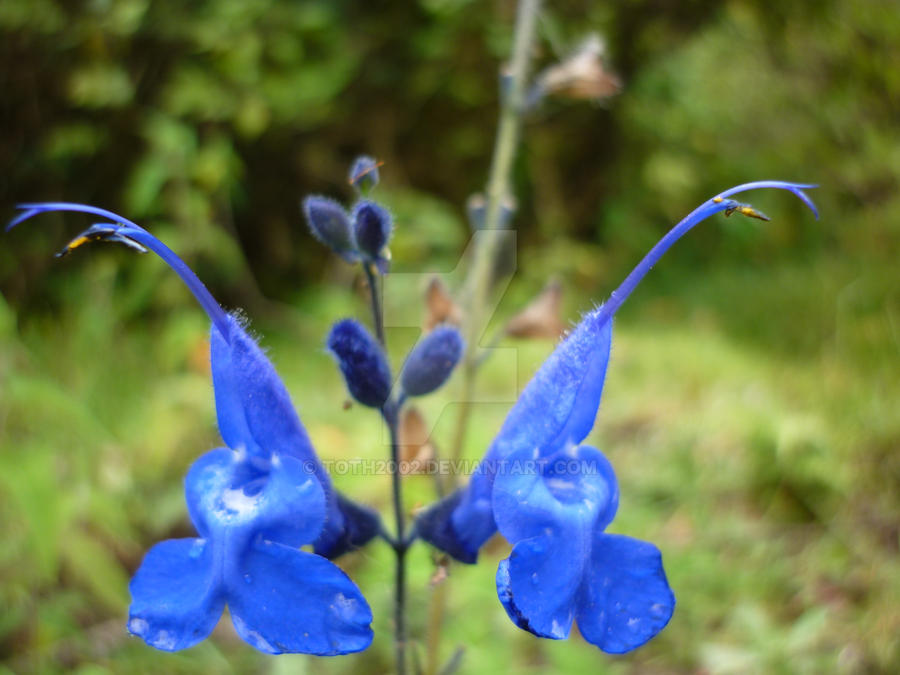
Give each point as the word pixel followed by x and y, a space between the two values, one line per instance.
pixel 753 427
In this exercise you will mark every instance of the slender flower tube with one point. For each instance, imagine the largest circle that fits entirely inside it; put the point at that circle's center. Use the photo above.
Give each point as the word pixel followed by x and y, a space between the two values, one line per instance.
pixel 562 565
pixel 253 504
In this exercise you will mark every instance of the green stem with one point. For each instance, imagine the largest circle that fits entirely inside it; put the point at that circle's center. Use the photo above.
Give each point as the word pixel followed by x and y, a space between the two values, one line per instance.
pixel 401 544
pixel 478 281
pixel 377 315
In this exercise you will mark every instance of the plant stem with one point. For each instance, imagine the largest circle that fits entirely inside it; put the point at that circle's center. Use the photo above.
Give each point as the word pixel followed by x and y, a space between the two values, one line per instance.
pixel 479 277
pixel 377 315
pixel 390 412
pixel 401 544
pixel 435 625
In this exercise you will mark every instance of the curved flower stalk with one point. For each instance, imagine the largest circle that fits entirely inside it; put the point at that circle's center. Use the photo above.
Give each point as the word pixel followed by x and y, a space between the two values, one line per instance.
pixel 562 565
pixel 253 504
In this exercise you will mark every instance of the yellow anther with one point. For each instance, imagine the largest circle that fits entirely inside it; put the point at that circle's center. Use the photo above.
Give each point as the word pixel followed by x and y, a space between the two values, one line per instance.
pixel 718 200
pixel 76 242
pixel 750 212
pixel 746 210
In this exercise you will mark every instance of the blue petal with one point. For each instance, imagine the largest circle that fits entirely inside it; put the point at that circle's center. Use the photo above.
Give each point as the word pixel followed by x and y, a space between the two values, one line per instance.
pixel 231 499
pixel 291 505
pixel 559 405
pixel 176 598
pixel 270 415
pixel 209 474
pixel 549 511
pixel 229 408
pixel 625 599
pixel 472 521
pixel 255 413
pixel 796 189
pixel 284 600
pixel 504 592
pixel 541 577
pixel 576 489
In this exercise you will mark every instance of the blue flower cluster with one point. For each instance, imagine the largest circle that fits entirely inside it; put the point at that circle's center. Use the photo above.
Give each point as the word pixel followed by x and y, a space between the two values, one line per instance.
pixel 256 502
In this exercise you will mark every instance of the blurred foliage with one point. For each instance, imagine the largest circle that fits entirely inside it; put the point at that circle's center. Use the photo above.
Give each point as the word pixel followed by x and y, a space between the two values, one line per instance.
pixel 752 405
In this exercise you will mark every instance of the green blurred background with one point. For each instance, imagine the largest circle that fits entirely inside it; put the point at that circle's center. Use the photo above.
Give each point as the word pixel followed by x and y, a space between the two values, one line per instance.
pixel 752 404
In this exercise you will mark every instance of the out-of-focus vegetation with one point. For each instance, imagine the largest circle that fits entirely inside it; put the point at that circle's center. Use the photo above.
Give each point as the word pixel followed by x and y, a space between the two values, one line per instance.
pixel 753 398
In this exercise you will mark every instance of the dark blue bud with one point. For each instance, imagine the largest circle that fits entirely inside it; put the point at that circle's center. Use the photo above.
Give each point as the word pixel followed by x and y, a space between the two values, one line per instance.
pixel 431 361
pixel 363 173
pixel 435 525
pixel 362 362
pixel 329 223
pixel 361 525
pixel 372 226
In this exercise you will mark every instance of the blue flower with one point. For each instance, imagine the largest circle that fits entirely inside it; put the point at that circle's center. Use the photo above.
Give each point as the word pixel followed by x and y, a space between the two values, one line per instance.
pixel 253 504
pixel 252 516
pixel 556 409
pixel 562 564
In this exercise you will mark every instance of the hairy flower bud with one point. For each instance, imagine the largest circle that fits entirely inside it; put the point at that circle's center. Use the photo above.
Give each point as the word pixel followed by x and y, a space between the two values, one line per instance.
pixel 362 362
pixel 364 173
pixel 431 361
pixel 329 223
pixel 372 226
